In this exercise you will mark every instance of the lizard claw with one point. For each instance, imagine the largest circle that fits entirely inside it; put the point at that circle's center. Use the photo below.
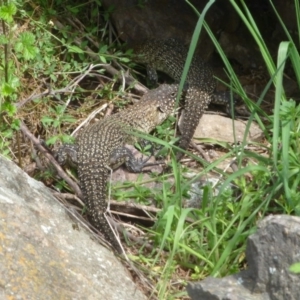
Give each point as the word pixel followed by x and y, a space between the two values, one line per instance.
pixel 137 165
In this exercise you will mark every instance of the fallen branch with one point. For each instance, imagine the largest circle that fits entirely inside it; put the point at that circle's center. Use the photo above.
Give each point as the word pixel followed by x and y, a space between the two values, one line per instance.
pixel 58 168
pixel 120 75
pixel 69 89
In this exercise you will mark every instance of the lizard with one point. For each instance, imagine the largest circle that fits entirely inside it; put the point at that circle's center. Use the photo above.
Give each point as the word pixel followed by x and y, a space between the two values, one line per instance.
pixel 168 56
pixel 101 148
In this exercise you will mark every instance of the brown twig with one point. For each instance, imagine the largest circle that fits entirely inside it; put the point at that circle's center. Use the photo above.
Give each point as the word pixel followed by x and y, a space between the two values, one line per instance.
pixel 31 97
pixel 134 206
pixel 139 241
pixel 58 168
pixel 110 69
pixel 109 110
pixel 200 150
pixel 69 89
pixel 67 196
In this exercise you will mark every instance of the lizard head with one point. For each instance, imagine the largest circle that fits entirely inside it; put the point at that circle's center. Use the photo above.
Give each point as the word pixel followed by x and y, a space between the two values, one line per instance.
pixel 153 108
pixel 160 102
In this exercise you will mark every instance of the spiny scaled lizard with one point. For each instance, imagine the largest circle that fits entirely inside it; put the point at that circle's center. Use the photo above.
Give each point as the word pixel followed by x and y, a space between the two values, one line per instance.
pixel 101 147
pixel 169 56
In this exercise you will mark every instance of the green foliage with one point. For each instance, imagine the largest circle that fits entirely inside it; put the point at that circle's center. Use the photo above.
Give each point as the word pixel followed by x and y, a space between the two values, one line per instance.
pixel 25 46
pixel 60 117
pixel 30 51
pixel 9 79
pixel 295 268
pixel 8 11
pixel 134 190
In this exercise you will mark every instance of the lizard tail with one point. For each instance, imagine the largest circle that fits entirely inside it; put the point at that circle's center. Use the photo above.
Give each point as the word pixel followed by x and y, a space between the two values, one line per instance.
pixel 94 187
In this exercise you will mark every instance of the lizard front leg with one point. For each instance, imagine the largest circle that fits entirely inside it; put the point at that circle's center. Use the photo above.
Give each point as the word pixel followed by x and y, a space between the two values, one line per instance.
pixel 67 155
pixel 123 155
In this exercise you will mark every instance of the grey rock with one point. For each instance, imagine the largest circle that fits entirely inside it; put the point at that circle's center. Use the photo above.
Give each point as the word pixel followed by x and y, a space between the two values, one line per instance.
pixel 177 19
pixel 196 190
pixel 234 287
pixel 270 252
pixel 221 129
pixel 42 256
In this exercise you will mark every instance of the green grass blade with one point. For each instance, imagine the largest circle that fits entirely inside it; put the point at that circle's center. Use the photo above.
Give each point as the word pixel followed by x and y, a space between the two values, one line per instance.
pixel 297 7
pixel 194 42
pixel 254 31
pixel 282 55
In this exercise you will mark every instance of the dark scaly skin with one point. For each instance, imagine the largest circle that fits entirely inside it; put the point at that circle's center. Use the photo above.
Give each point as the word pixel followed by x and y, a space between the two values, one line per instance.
pixel 169 57
pixel 101 147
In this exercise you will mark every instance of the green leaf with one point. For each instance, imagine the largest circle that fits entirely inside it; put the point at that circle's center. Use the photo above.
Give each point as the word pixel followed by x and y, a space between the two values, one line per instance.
pixel 47 120
pixel 30 52
pixel 103 49
pixel 56 123
pixel 3 39
pixel 124 59
pixel 52 140
pixel 27 38
pixel 26 46
pixel 15 124
pixel 103 59
pixel 129 52
pixel 67 139
pixel 73 10
pixel 14 82
pixel 9 108
pixel 69 119
pixel 7 89
pixel 53 77
pixel 7 12
pixel 295 268
pixel 74 49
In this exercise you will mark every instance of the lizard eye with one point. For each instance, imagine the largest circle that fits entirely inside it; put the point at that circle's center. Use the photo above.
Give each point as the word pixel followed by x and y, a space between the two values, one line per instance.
pixel 160 109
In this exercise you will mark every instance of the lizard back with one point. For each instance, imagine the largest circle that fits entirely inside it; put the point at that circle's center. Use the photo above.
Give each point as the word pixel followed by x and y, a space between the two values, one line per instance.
pixel 169 56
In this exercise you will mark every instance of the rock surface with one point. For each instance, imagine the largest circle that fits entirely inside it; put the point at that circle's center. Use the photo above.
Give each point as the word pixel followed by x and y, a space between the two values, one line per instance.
pixel 138 20
pixel 270 252
pixel 221 129
pixel 42 256
pixel 163 19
